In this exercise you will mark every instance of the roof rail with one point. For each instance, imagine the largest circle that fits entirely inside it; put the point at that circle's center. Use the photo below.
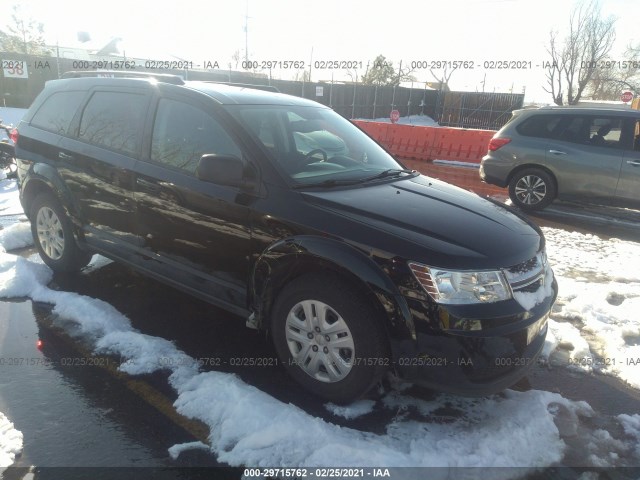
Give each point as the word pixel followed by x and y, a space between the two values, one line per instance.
pixel 161 77
pixel 267 88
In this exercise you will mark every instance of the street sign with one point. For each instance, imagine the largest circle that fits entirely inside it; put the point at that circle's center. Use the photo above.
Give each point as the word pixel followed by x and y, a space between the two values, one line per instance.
pixel 626 97
pixel 394 116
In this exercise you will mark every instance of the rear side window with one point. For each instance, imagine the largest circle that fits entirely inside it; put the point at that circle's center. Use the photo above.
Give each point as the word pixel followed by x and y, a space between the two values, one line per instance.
pixel 183 133
pixel 57 111
pixel 114 120
pixel 542 126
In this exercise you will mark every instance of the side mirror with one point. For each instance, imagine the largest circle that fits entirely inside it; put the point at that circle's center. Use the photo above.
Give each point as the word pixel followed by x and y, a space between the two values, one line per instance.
pixel 223 170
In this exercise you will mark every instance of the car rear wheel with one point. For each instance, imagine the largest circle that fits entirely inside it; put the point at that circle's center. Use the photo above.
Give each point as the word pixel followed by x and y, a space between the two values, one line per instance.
pixel 53 235
pixel 329 339
pixel 532 189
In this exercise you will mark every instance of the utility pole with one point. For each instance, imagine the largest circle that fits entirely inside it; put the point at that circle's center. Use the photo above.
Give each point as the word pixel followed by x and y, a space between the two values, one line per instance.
pixel 246 32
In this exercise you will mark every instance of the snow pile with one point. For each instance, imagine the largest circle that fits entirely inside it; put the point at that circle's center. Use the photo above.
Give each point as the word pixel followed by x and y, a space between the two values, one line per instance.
pixel 11 116
pixel 249 427
pixel 9 198
pixel 457 163
pixel 599 300
pixel 176 450
pixel 631 426
pixel 354 410
pixel 417 120
pixel 16 236
pixel 494 431
pixel 10 442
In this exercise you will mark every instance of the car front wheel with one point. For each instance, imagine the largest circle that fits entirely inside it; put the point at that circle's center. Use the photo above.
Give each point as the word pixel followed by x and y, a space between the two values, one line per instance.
pixel 53 235
pixel 532 189
pixel 329 339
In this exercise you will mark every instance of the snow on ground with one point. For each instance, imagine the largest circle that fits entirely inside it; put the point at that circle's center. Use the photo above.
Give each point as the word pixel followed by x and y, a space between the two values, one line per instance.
pixel 9 200
pixel 418 120
pixel 354 410
pixel 176 450
pixel 249 427
pixel 276 433
pixel 595 323
pixel 10 442
pixel 11 116
pixel 457 163
pixel 598 294
pixel 16 236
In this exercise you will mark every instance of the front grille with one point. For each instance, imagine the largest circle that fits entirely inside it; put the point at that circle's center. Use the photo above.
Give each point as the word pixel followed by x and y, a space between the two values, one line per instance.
pixel 527 276
pixel 531 288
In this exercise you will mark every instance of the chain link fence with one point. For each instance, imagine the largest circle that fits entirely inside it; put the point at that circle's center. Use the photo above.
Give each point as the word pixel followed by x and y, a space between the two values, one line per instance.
pixel 351 100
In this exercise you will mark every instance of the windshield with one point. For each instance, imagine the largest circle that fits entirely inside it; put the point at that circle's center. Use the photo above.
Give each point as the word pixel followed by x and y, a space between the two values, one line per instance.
pixel 313 144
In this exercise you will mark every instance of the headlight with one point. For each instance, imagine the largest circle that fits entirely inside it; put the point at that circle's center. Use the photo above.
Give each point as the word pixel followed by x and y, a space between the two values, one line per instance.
pixel 456 287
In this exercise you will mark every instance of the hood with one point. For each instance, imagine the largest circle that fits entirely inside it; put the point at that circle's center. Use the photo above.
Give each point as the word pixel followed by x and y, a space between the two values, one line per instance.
pixel 441 225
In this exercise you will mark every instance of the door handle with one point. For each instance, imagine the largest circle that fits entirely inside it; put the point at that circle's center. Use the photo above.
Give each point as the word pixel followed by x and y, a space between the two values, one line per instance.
pixel 149 186
pixel 635 163
pixel 557 152
pixel 65 156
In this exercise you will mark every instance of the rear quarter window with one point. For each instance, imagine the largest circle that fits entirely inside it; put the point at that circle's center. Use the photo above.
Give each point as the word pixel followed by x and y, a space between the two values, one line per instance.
pixel 541 126
pixel 57 111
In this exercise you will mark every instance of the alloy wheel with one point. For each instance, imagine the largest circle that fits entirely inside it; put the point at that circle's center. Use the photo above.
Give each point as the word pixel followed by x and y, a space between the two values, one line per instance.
pixel 530 189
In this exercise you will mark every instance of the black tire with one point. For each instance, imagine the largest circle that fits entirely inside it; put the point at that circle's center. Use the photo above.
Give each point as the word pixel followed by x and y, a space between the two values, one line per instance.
pixel 532 189
pixel 56 242
pixel 369 355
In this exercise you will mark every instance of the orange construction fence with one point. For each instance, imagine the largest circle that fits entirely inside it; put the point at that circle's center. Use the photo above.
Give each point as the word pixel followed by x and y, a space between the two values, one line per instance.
pixel 429 143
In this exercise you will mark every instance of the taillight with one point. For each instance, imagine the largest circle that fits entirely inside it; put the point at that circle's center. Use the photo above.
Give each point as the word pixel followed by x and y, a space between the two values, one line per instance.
pixel 14 136
pixel 496 143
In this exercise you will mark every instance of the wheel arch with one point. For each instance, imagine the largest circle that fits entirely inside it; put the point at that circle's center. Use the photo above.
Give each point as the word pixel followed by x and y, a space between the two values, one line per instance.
pixel 544 168
pixel 288 259
pixel 44 178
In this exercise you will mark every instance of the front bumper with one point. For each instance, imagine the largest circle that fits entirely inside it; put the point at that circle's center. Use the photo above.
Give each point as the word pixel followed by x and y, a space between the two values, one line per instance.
pixel 503 343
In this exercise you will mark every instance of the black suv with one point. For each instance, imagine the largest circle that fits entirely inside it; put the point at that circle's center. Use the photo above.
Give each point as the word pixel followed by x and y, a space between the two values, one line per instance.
pixel 282 212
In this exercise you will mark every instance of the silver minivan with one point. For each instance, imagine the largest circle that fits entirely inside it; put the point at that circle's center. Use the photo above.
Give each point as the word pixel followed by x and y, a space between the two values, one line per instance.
pixel 576 153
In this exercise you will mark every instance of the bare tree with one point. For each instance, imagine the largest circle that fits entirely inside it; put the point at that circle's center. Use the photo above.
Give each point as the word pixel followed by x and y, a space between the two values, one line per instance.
pixel 383 73
pixel 442 77
pixel 236 58
pixel 610 81
pixel 24 34
pixel 302 76
pixel 573 63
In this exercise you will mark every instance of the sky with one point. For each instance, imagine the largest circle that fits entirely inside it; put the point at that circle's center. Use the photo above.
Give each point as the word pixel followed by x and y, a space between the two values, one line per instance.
pixel 475 31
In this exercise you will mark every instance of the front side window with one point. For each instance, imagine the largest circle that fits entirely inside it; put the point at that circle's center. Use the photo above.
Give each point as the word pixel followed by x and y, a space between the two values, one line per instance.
pixel 592 130
pixel 636 136
pixel 183 133
pixel 114 120
pixel 313 144
pixel 605 132
pixel 57 111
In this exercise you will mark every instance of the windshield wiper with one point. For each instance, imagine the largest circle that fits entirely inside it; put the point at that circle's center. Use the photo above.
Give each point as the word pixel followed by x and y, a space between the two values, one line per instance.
pixel 328 183
pixel 391 172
